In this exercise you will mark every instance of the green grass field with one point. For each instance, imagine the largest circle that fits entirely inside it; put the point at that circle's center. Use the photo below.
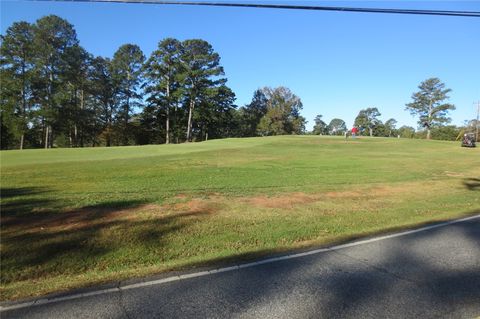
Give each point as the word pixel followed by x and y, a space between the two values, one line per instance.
pixel 76 217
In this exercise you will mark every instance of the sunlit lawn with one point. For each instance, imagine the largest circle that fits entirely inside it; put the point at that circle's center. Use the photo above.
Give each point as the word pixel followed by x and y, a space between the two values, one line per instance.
pixel 76 217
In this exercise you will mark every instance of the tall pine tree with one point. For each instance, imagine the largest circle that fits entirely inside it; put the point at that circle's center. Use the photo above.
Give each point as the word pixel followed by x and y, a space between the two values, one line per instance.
pixel 127 74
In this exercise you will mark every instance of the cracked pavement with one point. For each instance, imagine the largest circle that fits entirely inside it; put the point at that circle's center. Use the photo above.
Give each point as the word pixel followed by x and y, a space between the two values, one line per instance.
pixel 429 274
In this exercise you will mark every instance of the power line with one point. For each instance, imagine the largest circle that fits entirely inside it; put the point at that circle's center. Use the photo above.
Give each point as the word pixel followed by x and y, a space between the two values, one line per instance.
pixel 473 14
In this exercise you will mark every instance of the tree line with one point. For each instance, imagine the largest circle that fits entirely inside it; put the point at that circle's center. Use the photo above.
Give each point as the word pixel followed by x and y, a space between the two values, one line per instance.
pixel 428 104
pixel 56 94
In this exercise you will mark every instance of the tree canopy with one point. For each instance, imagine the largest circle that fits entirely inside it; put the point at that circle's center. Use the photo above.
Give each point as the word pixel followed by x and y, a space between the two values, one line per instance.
pixel 337 127
pixel 428 104
pixel 55 93
pixel 283 113
pixel 367 120
pixel 320 127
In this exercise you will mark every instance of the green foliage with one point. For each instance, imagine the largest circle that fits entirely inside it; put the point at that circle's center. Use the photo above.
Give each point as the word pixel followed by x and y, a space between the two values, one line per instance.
pixel 446 133
pixel 390 128
pixel 103 95
pixel 54 93
pixel 320 127
pixel 251 114
pixel 163 87
pixel 406 132
pixel 283 113
pixel 201 73
pixel 367 120
pixel 54 39
pixel 428 104
pixel 126 68
pixel 16 89
pixel 337 127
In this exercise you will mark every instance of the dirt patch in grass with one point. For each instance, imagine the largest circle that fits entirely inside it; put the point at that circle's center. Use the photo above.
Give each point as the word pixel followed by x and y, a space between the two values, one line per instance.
pixel 285 201
pixel 290 200
pixel 344 194
pixel 194 206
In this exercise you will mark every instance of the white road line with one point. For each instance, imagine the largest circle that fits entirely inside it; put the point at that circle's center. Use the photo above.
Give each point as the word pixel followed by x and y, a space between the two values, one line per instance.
pixel 227 269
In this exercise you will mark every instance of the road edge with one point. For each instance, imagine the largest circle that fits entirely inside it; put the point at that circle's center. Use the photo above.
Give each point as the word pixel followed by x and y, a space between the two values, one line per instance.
pixel 43 301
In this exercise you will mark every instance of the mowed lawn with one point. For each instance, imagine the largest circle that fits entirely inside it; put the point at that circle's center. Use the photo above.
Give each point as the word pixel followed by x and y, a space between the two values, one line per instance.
pixel 75 217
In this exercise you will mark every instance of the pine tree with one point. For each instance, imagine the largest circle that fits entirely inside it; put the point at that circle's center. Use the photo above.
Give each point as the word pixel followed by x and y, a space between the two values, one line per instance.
pixel 54 38
pixel 200 71
pixel 127 74
pixel 428 104
pixel 162 71
pixel 17 73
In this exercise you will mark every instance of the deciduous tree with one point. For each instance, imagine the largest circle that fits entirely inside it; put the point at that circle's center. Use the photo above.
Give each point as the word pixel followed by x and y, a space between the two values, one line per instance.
pixel 320 127
pixel 337 127
pixel 283 113
pixel 367 119
pixel 390 127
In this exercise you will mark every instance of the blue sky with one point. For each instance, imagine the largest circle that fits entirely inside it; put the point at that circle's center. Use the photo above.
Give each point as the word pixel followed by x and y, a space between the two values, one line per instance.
pixel 337 63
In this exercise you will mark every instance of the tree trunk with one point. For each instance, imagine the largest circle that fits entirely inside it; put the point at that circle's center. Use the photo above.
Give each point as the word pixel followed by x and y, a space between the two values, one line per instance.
pixel 22 137
pixel 175 127
pixel 108 138
pixel 50 104
pixel 125 132
pixel 167 137
pixel 429 119
pixel 190 113
pixel 371 131
pixel 75 135
pixel 46 136
pixel 50 138
pixel 82 106
pixel 167 124
pixel 108 117
pixel 24 105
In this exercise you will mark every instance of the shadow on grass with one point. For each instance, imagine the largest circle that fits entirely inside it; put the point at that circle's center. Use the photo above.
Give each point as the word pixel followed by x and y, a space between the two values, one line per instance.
pixel 414 276
pixel 22 201
pixel 472 184
pixel 52 242
pixel 282 251
pixel 20 191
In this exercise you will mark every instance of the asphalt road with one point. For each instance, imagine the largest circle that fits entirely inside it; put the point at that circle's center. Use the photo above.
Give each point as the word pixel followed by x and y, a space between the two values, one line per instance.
pixel 428 274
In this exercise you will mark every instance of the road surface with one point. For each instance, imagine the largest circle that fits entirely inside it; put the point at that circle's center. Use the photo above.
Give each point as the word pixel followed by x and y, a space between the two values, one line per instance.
pixel 433 273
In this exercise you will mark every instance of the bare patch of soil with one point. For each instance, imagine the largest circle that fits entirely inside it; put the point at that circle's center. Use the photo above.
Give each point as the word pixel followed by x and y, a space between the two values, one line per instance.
pixel 285 201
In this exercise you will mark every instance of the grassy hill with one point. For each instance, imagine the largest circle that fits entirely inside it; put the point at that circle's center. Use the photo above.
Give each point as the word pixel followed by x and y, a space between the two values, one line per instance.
pixel 74 217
